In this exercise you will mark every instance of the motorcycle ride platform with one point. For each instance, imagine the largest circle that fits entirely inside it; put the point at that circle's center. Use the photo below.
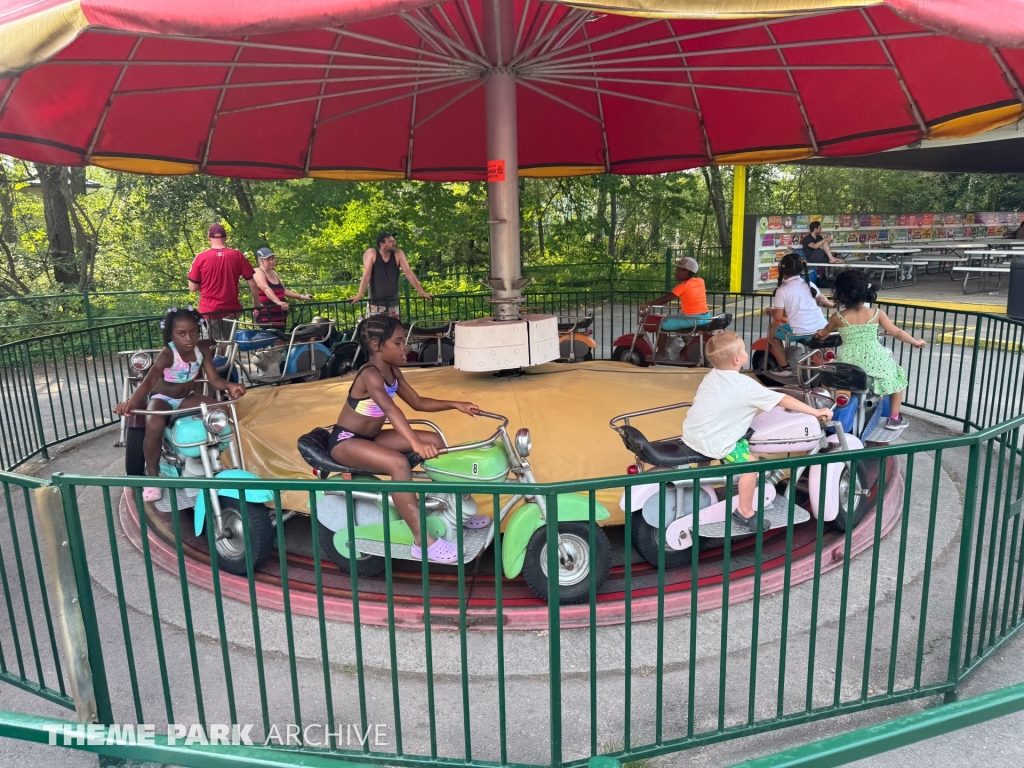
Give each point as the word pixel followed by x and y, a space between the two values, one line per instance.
pixel 474 542
pixel 520 609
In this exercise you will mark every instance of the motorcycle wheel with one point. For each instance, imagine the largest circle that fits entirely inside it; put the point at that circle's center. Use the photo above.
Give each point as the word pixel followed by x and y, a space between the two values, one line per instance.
pixel 428 352
pixel 843 519
pixel 318 360
pixel 647 544
pixel 134 458
pixel 341 362
pixel 366 565
pixel 574 583
pixel 231 551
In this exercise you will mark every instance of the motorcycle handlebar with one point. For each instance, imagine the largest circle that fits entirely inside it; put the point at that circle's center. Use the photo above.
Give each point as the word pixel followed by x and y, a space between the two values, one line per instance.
pixel 481 443
pixel 184 411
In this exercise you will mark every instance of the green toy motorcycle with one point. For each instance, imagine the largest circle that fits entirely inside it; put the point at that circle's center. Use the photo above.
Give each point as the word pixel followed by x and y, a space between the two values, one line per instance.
pixel 496 460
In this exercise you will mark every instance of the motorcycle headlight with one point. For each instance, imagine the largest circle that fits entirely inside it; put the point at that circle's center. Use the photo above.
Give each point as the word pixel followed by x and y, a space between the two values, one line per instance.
pixel 216 422
pixel 141 361
pixel 820 398
pixel 523 442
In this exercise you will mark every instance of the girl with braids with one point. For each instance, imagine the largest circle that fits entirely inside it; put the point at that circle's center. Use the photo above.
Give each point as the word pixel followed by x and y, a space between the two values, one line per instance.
pixel 858 326
pixel 170 383
pixel 796 310
pixel 359 439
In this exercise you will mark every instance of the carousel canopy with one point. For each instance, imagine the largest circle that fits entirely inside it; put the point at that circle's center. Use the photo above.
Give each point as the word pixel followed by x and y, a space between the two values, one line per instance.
pixel 385 89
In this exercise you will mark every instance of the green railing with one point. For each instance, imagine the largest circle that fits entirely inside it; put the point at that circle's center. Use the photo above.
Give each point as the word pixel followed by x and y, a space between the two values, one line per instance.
pixel 36 314
pixel 804 648
pixel 884 737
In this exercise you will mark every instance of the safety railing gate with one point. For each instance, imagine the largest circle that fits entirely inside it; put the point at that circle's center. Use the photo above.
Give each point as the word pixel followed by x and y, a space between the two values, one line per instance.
pixel 900 607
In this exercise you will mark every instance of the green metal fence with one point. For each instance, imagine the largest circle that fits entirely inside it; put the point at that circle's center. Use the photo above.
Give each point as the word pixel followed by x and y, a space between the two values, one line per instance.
pixel 160 651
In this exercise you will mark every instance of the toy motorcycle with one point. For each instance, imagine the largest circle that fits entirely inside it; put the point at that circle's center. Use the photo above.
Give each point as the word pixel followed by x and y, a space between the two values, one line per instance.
pixel 493 460
pixel 778 432
pixel 428 345
pixel 193 443
pixel 796 362
pixel 662 338
pixel 576 339
pixel 265 355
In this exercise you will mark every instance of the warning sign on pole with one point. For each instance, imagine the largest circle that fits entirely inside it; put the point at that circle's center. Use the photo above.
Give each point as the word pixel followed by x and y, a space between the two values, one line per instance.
pixel 495 170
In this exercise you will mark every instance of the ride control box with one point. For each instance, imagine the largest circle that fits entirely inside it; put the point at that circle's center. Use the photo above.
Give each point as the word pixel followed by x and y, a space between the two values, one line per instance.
pixel 488 344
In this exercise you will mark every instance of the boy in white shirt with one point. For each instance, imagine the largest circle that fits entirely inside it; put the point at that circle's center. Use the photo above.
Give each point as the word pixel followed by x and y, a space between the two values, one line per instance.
pixel 725 404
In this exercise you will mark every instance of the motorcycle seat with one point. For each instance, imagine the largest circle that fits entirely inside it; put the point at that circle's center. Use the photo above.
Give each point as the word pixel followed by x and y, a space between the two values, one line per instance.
pixel 845 376
pixel 829 342
pixel 660 453
pixel 442 328
pixel 304 335
pixel 565 324
pixel 695 324
pixel 315 449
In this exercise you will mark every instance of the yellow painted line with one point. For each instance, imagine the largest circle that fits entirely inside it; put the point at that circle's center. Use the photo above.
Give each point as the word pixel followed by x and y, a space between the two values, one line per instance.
pixel 952 306
pixel 966 340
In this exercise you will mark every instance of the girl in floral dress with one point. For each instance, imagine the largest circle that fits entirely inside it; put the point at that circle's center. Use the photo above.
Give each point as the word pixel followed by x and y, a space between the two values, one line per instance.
pixel 858 326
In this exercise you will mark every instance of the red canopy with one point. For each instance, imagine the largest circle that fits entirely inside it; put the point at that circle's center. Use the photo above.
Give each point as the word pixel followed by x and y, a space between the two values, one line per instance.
pixel 378 89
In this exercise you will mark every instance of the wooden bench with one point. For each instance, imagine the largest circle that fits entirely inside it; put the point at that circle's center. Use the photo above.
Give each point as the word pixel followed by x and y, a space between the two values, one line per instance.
pixel 981 274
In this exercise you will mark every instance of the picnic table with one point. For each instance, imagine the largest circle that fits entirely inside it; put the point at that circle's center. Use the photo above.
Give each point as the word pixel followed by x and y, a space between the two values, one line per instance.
pixel 899 266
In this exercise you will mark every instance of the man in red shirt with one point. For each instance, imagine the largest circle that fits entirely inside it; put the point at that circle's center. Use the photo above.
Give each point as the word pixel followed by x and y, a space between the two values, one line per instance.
pixel 214 275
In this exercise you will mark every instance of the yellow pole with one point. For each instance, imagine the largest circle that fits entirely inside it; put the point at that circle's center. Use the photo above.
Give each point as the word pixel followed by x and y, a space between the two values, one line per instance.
pixel 739 204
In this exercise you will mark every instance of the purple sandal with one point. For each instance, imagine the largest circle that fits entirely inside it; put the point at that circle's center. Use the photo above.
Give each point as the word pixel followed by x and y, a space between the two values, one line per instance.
pixel 440 551
pixel 476 522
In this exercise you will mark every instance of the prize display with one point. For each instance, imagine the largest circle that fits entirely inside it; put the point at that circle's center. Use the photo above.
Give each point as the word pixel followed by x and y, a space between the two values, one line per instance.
pixel 774 236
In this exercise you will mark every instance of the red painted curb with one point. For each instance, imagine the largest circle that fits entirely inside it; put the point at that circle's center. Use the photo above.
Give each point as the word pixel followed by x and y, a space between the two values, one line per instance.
pixel 520 618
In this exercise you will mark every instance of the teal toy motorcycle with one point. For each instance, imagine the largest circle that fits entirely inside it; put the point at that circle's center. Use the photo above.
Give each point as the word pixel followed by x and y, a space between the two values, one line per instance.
pixel 193 442
pixel 494 460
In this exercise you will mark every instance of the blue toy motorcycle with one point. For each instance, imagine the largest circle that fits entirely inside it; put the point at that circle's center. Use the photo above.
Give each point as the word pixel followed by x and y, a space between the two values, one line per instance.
pixel 193 443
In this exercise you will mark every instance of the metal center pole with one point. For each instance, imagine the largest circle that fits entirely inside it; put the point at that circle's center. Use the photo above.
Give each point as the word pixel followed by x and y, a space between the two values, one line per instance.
pixel 502 160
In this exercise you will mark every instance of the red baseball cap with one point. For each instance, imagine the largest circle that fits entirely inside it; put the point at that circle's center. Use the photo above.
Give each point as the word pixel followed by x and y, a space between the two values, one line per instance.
pixel 217 230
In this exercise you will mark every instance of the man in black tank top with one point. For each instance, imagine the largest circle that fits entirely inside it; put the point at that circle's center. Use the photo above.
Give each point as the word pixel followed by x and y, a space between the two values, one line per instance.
pixel 380 274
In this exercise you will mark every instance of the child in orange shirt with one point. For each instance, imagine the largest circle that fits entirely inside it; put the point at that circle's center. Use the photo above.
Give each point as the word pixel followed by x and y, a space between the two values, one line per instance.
pixel 690 291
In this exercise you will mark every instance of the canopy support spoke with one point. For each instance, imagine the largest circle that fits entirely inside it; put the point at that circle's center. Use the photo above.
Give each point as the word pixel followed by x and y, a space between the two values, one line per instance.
pixel 389 44
pixel 918 117
pixel 7 94
pixel 674 84
pixel 696 99
pixel 412 131
pixel 799 99
pixel 564 103
pixel 449 103
pixel 448 83
pixel 216 109
pixel 1011 78
pixel 316 114
pixel 471 23
pixel 600 112
pixel 110 100
pixel 620 94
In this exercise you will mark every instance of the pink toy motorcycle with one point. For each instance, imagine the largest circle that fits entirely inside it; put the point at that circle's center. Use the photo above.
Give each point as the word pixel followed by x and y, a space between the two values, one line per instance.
pixel 777 431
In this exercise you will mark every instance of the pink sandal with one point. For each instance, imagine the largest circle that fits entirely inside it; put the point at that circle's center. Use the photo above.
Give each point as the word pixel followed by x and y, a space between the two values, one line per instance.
pixel 440 551
pixel 152 494
pixel 476 522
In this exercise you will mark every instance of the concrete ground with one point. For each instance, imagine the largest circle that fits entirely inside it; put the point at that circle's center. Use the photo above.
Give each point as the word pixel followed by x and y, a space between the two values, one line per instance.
pixel 526 653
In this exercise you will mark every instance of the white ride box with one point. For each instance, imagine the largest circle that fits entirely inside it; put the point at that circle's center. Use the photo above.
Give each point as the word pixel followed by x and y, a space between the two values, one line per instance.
pixel 486 344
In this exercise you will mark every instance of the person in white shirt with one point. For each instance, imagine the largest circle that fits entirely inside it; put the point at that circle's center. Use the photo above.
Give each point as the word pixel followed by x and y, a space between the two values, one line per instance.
pixel 723 408
pixel 796 310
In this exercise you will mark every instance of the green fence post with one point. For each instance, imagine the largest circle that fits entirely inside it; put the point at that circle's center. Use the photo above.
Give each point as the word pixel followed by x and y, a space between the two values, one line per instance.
pixel 35 402
pixel 74 543
pixel 668 269
pixel 407 310
pixel 963 572
pixel 87 308
pixel 973 371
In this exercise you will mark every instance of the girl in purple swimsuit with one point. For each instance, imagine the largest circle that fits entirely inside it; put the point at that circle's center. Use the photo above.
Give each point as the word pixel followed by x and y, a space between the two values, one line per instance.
pixel 170 383
pixel 359 439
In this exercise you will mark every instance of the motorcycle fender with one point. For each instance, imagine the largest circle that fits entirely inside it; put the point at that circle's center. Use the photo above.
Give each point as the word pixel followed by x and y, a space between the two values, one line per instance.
pixel 627 341
pixel 760 345
pixel 583 338
pixel 251 496
pixel 572 507
pixel 299 349
pixel 833 472
pixel 638 497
